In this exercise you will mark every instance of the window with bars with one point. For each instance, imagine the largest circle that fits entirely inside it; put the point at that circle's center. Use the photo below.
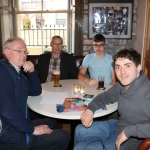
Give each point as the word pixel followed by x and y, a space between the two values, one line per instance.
pixel 39 20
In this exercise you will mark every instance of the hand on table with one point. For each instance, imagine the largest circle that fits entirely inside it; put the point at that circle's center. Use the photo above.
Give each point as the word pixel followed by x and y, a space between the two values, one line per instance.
pixel 120 139
pixel 28 66
pixel 91 82
pixel 42 129
pixel 87 118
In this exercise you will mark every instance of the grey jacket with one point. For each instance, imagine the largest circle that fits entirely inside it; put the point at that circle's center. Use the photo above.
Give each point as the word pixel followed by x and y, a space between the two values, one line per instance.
pixel 133 108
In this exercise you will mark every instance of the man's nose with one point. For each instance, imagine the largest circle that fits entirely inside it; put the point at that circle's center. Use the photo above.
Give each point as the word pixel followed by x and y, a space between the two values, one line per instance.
pixel 122 70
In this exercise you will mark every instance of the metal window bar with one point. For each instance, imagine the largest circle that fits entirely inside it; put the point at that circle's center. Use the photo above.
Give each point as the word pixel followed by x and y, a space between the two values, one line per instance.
pixel 32 37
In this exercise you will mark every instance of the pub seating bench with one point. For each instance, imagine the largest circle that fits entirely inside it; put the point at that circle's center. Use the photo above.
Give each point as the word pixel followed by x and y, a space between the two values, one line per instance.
pixel 34 59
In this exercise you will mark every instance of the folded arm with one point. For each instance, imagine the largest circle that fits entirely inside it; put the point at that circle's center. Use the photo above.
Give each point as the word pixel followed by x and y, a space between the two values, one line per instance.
pixel 9 111
pixel 82 77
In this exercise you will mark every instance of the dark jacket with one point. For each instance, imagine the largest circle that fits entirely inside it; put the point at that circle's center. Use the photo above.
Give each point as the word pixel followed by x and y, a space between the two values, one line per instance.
pixel 68 69
pixel 15 89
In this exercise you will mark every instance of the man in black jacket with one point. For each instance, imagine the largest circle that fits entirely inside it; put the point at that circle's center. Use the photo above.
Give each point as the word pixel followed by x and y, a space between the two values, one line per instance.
pixel 56 60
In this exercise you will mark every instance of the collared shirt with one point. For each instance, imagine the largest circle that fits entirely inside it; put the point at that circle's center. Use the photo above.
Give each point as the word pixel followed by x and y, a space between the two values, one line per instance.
pixel 16 67
pixel 54 64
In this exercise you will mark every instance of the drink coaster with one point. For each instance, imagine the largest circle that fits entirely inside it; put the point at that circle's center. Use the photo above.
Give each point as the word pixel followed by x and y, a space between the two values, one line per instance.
pixel 101 88
pixel 58 86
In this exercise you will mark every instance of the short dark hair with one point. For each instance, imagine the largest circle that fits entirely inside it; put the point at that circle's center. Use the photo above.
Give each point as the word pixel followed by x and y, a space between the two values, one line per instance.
pixel 130 54
pixel 58 37
pixel 99 38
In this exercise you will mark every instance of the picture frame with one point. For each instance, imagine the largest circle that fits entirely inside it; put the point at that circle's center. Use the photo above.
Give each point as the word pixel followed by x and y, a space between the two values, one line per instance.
pixel 113 20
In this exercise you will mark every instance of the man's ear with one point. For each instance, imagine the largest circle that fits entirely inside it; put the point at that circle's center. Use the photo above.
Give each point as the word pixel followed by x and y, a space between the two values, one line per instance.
pixel 51 44
pixel 139 68
pixel 6 52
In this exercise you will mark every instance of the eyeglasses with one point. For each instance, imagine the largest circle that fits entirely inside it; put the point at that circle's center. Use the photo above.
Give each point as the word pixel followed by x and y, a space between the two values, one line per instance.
pixel 100 45
pixel 19 51
pixel 57 44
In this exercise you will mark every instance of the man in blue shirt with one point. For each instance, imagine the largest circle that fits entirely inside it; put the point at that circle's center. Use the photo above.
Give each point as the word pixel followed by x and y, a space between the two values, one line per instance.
pixel 98 64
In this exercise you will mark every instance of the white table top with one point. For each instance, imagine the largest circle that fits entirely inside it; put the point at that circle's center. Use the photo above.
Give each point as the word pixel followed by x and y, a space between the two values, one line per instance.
pixel 67 86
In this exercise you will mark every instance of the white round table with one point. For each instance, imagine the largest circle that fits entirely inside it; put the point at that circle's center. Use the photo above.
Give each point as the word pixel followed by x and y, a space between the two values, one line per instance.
pixel 67 86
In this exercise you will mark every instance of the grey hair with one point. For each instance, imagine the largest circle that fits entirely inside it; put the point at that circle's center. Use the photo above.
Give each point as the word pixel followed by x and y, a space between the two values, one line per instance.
pixel 8 42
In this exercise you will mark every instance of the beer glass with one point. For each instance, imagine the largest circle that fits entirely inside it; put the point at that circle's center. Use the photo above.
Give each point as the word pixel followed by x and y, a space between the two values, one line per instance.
pixel 76 88
pixel 56 77
pixel 101 81
pixel 82 89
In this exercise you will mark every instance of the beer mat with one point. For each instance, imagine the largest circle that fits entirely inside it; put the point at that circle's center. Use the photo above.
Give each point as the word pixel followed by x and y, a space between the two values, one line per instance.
pixel 88 96
pixel 58 86
pixel 60 108
pixel 101 88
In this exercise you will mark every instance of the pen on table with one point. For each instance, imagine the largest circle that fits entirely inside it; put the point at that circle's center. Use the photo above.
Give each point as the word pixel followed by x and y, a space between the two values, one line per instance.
pixel 104 108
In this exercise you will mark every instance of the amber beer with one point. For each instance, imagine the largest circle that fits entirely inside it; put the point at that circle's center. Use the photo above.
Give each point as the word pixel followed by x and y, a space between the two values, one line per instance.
pixel 56 77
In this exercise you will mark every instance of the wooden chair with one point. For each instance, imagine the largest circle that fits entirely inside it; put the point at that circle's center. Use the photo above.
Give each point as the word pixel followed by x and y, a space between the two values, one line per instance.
pixel 145 145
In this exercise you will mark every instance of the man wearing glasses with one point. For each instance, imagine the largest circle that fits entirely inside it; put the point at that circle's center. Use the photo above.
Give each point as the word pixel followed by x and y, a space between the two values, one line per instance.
pixel 98 64
pixel 17 132
pixel 56 59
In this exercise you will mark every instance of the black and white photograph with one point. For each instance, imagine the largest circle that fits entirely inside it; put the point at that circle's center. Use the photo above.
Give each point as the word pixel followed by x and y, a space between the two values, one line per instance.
pixel 112 20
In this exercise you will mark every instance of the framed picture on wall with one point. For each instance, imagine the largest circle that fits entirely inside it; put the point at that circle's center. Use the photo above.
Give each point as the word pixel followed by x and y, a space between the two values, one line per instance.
pixel 113 20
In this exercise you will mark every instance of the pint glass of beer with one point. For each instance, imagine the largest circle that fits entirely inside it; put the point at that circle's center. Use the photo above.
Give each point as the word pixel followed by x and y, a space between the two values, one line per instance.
pixel 56 77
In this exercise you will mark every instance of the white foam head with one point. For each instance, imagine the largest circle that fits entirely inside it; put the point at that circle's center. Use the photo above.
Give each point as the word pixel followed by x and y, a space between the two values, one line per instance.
pixel 56 71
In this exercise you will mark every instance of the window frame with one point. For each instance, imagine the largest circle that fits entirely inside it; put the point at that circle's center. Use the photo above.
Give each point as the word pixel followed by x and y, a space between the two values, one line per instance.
pixel 17 11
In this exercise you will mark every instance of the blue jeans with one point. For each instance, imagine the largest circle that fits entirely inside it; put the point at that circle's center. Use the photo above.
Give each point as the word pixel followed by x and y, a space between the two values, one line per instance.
pixel 101 135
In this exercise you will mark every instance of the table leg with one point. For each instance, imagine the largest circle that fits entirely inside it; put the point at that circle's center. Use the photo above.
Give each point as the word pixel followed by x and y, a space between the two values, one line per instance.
pixel 73 124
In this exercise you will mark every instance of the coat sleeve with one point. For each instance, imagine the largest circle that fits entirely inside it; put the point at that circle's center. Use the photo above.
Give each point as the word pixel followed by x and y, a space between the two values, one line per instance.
pixel 108 97
pixel 9 111
pixel 42 67
pixel 35 85
pixel 73 71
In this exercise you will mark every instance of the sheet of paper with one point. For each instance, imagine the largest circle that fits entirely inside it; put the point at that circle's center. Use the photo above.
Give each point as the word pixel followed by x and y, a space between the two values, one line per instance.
pixel 54 98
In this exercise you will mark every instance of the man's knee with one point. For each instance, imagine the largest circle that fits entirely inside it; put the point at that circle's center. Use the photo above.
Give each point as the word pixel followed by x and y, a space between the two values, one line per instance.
pixel 79 129
pixel 61 136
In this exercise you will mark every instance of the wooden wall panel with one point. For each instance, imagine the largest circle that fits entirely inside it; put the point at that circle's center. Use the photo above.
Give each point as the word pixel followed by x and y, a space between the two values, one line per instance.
pixel 147 64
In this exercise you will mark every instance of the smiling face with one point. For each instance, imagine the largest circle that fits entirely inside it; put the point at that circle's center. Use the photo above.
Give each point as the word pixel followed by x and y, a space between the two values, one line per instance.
pixel 13 56
pixel 126 71
pixel 56 45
